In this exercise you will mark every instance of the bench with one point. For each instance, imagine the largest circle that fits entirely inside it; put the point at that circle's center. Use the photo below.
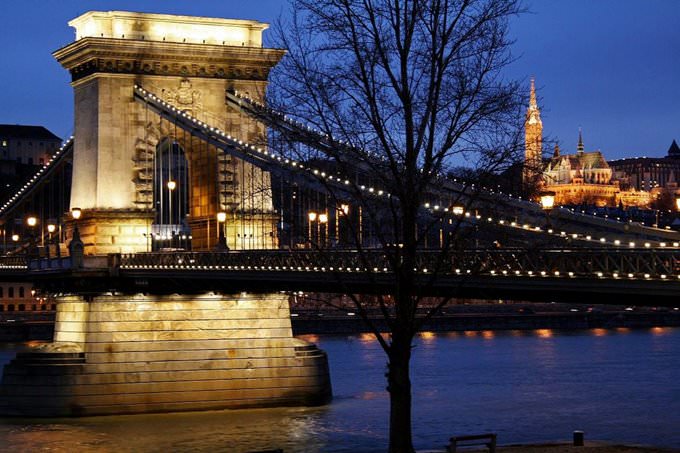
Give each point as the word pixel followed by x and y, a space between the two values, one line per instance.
pixel 489 440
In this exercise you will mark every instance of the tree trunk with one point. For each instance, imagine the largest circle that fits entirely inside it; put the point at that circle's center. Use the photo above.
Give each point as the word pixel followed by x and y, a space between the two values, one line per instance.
pixel 399 388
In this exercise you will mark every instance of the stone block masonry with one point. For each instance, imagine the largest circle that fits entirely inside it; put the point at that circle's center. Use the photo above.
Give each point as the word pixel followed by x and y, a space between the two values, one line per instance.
pixel 116 354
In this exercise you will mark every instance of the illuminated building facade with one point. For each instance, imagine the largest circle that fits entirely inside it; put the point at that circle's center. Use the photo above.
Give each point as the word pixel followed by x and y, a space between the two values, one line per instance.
pixel 587 177
pixel 648 173
pixel 583 177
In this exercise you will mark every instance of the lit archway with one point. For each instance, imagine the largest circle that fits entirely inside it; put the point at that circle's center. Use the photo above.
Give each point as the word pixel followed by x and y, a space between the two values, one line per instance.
pixel 170 197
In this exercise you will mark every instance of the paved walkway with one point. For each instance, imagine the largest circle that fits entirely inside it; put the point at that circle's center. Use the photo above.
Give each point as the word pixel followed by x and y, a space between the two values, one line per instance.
pixel 590 447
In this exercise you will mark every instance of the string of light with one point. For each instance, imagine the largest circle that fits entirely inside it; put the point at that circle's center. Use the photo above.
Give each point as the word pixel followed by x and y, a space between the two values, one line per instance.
pixel 41 173
pixel 372 191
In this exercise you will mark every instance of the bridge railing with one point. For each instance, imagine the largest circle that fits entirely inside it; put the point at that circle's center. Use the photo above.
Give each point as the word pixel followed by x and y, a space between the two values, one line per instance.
pixel 13 263
pixel 593 263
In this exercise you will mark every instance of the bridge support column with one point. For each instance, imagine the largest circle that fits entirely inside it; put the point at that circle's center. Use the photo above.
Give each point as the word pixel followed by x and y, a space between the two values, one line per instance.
pixel 118 354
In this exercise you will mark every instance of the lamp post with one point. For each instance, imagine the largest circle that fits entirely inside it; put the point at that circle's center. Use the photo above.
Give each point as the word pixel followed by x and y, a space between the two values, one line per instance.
pixel 51 228
pixel 311 216
pixel 547 204
pixel 171 186
pixel 344 208
pixel 323 220
pixel 76 247
pixel 31 221
pixel 76 213
pixel 15 239
pixel 222 240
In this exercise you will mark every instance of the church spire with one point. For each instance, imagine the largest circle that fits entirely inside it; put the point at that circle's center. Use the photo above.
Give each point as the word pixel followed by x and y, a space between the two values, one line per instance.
pixel 580 147
pixel 533 113
pixel 533 139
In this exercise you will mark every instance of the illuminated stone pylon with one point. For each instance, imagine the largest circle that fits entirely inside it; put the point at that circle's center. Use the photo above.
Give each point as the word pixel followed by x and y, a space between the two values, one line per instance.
pixel 190 62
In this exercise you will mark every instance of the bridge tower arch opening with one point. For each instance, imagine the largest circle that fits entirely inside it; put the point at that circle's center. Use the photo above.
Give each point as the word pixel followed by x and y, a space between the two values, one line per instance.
pixel 171 187
pixel 190 62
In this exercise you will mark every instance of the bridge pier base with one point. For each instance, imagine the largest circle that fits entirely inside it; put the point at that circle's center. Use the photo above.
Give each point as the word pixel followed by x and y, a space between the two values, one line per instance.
pixel 118 354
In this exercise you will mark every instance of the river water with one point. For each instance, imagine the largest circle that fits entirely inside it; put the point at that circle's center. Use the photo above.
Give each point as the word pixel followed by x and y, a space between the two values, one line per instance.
pixel 616 385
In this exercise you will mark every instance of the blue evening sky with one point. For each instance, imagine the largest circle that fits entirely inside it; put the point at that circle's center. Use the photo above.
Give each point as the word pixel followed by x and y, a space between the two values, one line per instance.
pixel 611 67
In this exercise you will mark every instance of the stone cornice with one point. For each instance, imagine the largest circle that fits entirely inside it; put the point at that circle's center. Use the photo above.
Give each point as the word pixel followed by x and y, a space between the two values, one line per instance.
pixel 125 56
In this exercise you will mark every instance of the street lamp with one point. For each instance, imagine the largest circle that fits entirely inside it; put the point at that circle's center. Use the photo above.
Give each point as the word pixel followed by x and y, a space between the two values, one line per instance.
pixel 76 213
pixel 344 208
pixel 323 219
pixel 547 204
pixel 51 228
pixel 311 215
pixel 222 242
pixel 547 200
pixel 677 201
pixel 171 186
pixel 458 210
pixel 31 221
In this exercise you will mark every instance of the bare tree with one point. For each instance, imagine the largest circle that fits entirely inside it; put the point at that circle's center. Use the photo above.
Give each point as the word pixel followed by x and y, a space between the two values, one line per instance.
pixel 405 90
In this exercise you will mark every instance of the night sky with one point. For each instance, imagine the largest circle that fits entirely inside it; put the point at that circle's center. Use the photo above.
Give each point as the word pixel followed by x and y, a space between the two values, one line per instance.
pixel 611 67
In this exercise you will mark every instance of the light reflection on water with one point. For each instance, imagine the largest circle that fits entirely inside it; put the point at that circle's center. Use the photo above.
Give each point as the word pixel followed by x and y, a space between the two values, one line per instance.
pixel 618 385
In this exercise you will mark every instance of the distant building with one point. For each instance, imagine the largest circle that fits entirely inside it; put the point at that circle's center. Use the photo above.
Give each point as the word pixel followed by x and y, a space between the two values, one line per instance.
pixel 587 177
pixel 583 177
pixel 648 173
pixel 20 297
pixel 32 145
pixel 22 150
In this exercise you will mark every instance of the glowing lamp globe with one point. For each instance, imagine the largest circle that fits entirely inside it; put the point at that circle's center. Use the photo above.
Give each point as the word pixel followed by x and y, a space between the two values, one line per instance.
pixel 547 200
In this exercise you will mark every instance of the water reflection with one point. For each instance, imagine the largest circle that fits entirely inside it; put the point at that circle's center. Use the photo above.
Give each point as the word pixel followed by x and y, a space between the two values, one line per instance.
pixel 488 334
pixel 428 337
pixel 543 333
pixel 660 330
pixel 528 386
pixel 367 337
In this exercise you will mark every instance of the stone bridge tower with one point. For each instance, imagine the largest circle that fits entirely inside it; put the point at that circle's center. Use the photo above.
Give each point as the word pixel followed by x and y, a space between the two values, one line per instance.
pixel 190 62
